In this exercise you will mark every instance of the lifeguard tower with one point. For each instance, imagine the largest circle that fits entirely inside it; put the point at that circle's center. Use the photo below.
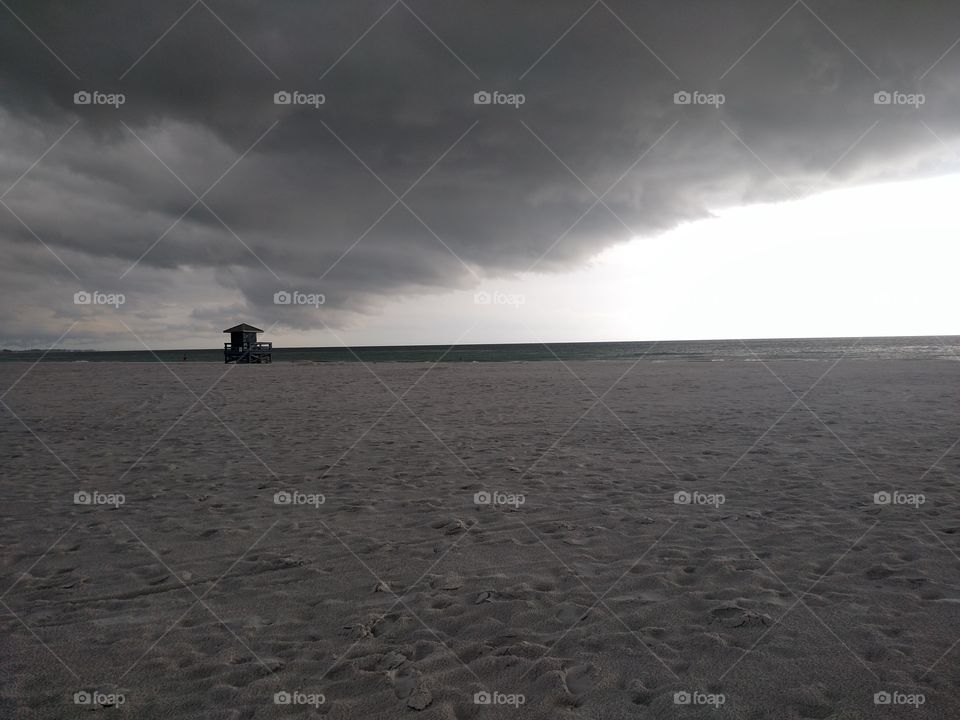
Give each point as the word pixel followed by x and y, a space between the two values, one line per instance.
pixel 244 348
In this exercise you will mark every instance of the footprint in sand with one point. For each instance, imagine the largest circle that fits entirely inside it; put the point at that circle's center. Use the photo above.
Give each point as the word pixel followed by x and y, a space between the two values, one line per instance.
pixel 452 526
pixel 391 661
pixel 404 680
pixel 446 582
pixel 484 596
pixel 360 630
pixel 408 684
pixel 879 572
pixel 571 613
pixel 580 679
pixel 734 616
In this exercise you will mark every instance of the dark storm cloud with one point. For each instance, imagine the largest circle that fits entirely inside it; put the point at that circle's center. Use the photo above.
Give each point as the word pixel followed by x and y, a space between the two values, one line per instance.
pixel 318 198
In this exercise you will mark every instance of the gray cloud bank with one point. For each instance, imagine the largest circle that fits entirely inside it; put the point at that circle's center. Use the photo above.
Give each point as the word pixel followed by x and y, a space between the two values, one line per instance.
pixel 399 183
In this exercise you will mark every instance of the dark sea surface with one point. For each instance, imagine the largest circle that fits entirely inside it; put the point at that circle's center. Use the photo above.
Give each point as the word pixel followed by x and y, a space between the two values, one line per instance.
pixel 893 348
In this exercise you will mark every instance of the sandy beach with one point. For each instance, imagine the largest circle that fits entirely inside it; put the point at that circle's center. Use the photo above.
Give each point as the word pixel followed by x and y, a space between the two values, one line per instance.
pixel 503 540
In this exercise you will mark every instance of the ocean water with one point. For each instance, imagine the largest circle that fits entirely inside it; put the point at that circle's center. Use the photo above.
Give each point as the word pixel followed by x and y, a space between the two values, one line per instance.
pixel 900 348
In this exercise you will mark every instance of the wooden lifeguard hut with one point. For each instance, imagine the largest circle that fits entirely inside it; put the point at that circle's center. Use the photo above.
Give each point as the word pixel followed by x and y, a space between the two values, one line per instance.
pixel 244 348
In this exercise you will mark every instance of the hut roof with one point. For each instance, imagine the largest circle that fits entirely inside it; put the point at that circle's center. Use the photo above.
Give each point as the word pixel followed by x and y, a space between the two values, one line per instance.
pixel 243 327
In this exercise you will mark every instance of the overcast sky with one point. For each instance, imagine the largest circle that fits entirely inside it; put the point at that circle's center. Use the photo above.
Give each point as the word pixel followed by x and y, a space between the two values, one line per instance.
pixel 399 198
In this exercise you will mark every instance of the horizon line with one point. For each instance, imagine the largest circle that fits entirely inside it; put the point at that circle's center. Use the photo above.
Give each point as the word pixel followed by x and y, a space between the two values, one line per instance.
pixel 476 344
